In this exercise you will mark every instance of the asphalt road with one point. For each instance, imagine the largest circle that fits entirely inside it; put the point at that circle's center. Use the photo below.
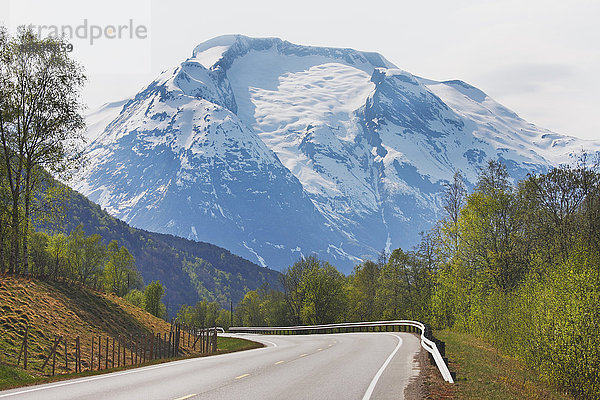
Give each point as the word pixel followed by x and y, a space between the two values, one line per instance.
pixel 334 366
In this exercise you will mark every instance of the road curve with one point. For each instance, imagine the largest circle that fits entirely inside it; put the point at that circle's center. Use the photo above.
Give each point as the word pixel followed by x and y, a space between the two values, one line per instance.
pixel 335 366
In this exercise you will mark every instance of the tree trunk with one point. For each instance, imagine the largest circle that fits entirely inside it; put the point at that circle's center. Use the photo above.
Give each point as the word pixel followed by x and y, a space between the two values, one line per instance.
pixel 26 224
pixel 14 259
pixel 2 261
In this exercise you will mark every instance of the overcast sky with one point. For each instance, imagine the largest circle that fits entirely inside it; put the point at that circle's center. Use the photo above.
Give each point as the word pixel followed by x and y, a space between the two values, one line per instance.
pixel 539 58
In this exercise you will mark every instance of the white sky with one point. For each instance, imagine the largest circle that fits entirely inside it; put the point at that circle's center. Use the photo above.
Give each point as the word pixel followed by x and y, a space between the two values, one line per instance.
pixel 539 58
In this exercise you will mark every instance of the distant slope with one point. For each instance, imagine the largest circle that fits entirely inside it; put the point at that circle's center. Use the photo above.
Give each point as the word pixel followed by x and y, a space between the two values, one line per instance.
pixel 190 271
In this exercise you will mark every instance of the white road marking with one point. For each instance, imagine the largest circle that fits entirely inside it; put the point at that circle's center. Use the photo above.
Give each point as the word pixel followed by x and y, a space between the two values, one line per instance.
pixel 189 396
pixel 371 387
pixel 271 343
pixel 75 381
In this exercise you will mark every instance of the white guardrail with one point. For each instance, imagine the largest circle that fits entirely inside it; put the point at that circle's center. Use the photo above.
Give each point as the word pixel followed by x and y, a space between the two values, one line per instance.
pixel 426 343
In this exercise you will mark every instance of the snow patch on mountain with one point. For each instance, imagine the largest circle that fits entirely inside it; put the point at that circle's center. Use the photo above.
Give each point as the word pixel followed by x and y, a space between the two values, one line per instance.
pixel 275 150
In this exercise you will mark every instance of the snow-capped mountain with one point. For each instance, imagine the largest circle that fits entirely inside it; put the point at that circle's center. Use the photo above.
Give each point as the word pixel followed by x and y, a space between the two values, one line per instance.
pixel 274 150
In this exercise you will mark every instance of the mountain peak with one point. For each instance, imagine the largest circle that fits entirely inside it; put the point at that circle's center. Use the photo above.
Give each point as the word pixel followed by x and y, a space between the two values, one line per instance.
pixel 222 50
pixel 275 150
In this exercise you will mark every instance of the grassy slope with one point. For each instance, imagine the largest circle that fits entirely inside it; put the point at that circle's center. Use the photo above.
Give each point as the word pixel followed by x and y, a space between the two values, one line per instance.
pixel 483 373
pixel 54 308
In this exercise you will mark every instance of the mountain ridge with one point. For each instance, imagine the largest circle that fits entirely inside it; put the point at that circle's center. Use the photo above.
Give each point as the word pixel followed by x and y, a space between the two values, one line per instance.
pixel 251 136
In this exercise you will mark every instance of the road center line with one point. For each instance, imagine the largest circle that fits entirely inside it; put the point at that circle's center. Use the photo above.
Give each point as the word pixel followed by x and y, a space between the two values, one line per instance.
pixel 189 396
pixel 279 362
pixel 242 376
pixel 303 355
pixel 371 387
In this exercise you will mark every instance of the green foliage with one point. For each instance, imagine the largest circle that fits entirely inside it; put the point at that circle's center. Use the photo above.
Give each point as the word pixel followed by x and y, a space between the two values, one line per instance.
pixel 314 291
pixel 40 130
pixel 204 315
pixel 40 257
pixel 524 272
pixel 324 300
pixel 57 248
pixel 153 295
pixel 404 287
pixel 120 273
pixel 135 297
pixel 86 256
pixel 361 292
pixel 248 311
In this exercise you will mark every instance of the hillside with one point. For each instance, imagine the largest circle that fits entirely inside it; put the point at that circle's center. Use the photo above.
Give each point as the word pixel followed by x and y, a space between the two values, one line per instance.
pixel 190 271
pixel 56 308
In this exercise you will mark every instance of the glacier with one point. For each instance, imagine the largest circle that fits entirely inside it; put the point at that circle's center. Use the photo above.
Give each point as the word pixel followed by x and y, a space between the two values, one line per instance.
pixel 275 150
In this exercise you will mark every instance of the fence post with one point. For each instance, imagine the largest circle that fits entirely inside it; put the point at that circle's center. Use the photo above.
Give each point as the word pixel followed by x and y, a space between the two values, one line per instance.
pixel 66 356
pixel 178 339
pixel 165 346
pixel 52 352
pixel 159 346
pixel 77 355
pixel 92 356
pixel 106 359
pixel 99 352
pixel 56 341
pixel 23 350
pixel 112 360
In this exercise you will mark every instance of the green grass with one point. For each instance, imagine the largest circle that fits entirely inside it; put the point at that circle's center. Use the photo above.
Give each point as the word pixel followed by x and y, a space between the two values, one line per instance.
pixel 228 345
pixel 11 377
pixel 484 373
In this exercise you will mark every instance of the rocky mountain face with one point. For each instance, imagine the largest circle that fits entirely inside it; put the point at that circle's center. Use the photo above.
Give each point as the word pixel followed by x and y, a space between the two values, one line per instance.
pixel 274 150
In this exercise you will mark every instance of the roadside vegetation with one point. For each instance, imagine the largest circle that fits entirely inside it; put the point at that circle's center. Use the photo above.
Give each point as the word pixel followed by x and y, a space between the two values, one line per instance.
pixel 485 373
pixel 516 265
